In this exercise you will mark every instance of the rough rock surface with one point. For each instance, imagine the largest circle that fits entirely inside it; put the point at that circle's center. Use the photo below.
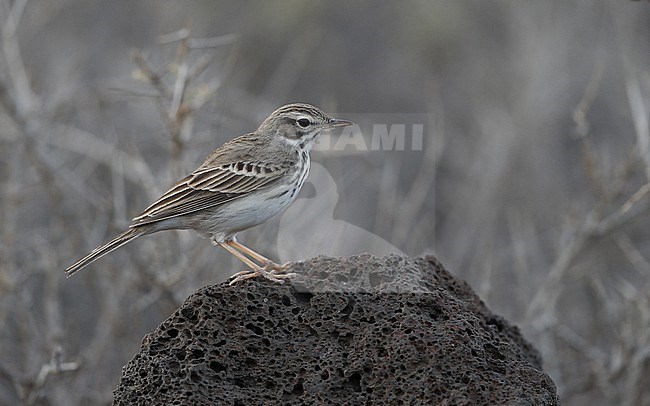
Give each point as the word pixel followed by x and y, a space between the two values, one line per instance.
pixel 358 330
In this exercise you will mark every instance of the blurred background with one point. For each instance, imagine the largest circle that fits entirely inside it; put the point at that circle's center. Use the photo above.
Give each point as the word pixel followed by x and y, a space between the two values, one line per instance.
pixel 531 182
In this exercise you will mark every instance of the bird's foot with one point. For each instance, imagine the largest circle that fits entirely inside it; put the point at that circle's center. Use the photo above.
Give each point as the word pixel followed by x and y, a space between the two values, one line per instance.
pixel 271 271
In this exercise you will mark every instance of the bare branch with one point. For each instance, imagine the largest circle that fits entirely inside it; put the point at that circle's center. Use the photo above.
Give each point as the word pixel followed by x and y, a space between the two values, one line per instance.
pixel 214 42
pixel 641 123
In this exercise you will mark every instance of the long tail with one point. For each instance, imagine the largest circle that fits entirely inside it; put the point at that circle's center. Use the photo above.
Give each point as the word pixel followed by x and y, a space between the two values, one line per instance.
pixel 100 251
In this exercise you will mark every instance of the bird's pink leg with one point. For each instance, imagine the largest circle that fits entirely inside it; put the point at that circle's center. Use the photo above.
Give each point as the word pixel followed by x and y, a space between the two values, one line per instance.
pixel 268 271
pixel 259 257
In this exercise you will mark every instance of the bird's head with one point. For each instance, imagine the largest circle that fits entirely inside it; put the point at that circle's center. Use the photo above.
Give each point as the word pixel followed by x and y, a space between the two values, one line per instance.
pixel 300 124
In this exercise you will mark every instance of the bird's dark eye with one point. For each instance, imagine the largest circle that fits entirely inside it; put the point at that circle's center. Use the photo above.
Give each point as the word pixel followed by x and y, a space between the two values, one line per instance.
pixel 304 122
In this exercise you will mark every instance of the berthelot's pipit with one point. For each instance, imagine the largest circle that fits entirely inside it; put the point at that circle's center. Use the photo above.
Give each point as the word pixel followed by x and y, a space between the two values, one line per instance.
pixel 241 184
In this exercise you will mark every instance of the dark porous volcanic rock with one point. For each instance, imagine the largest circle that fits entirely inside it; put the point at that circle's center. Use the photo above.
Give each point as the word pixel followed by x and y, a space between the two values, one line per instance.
pixel 358 330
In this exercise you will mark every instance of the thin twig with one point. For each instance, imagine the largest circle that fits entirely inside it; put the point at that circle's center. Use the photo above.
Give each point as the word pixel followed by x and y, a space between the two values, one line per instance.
pixel 213 42
pixel 54 366
pixel 641 121
pixel 589 157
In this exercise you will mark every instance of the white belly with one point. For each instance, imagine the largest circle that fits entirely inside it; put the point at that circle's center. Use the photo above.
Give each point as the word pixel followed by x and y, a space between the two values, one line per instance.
pixel 224 221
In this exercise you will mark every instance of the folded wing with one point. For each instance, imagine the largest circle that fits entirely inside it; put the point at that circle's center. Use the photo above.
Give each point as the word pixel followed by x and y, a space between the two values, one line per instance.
pixel 210 187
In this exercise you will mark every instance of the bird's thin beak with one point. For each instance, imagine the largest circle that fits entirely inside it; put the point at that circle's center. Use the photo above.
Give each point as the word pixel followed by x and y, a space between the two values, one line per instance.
pixel 339 123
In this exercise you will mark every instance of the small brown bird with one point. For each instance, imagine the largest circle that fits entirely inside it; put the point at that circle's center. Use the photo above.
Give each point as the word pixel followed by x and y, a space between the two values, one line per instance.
pixel 243 183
